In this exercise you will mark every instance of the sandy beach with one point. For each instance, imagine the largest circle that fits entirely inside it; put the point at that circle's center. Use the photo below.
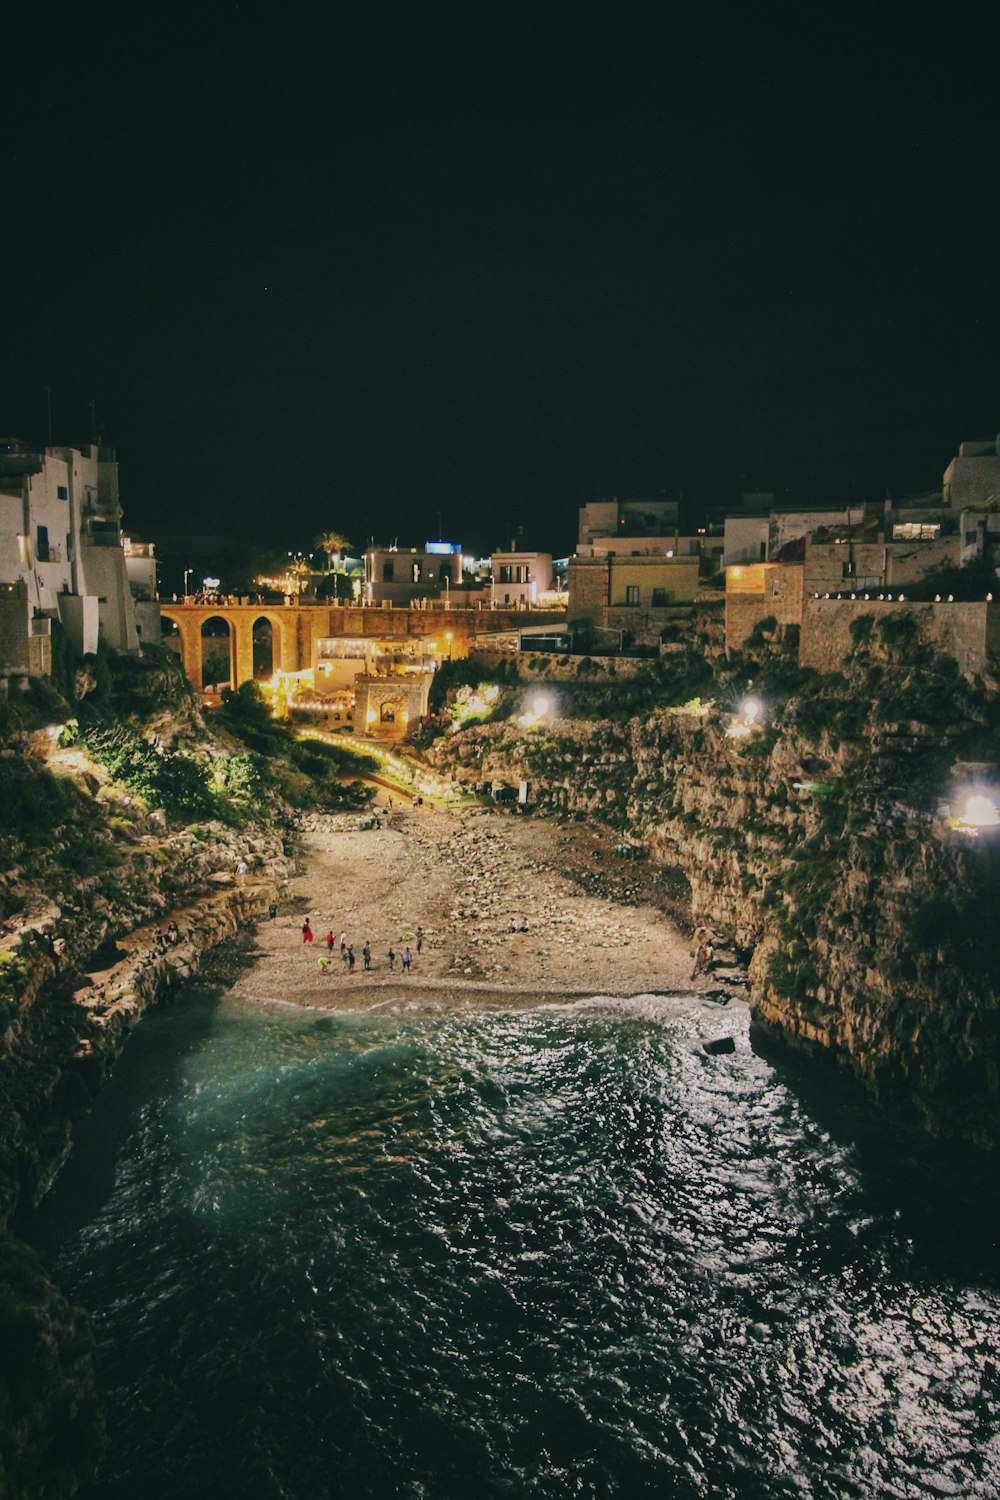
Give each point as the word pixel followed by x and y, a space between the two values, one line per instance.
pixel 594 922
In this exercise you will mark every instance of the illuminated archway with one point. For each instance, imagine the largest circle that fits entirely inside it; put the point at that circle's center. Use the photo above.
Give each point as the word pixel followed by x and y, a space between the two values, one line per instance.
pixel 217 648
pixel 266 646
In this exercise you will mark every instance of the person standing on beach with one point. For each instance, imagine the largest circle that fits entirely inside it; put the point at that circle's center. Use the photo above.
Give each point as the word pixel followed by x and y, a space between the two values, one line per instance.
pixel 366 953
pixel 392 957
pixel 307 932
pixel 407 958
pixel 241 872
pixel 350 958
pixel 343 945
pixel 329 942
pixel 702 958
pixel 420 938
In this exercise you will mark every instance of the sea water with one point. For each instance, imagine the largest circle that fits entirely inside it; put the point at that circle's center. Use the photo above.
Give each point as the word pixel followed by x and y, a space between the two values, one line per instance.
pixel 557 1251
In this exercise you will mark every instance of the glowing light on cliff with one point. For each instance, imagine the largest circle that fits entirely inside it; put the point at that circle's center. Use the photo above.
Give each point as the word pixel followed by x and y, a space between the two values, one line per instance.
pixel 751 711
pixel 980 812
pixel 535 711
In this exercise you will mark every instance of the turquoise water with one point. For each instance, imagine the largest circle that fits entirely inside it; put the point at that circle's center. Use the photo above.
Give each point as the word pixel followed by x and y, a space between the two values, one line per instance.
pixel 554 1252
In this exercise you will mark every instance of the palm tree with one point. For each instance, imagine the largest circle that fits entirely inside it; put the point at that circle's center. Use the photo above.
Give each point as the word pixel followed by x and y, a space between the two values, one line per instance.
pixel 334 545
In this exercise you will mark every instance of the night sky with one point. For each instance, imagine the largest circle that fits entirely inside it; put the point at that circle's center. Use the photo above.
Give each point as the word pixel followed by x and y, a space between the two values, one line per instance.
pixel 359 265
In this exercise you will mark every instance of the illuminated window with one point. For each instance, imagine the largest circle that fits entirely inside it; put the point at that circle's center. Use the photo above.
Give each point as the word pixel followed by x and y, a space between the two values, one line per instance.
pixel 631 593
pixel 916 531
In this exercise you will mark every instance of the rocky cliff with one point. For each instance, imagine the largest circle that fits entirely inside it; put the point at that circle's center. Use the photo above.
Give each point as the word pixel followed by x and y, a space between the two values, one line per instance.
pixel 814 841
pixel 89 880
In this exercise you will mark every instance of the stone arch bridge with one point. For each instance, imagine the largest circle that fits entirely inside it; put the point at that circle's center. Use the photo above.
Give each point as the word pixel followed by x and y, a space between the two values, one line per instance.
pixel 296 629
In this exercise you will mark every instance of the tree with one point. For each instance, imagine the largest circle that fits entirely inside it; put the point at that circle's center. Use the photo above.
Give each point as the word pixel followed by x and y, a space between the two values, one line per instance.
pixel 334 544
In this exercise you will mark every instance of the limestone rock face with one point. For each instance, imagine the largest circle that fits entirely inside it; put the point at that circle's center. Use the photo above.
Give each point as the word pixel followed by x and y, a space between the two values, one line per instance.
pixel 866 919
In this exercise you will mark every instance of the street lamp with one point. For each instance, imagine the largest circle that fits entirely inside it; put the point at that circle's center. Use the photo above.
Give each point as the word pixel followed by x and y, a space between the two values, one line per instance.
pixel 187 575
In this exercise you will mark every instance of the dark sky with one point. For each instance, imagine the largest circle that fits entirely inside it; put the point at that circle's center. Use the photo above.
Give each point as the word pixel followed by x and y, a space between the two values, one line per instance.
pixel 353 265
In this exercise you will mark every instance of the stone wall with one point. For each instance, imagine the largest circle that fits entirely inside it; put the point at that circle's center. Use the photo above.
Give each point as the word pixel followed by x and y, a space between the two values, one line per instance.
pixel 589 584
pixel 967 632
pixel 762 591
pixel 14 636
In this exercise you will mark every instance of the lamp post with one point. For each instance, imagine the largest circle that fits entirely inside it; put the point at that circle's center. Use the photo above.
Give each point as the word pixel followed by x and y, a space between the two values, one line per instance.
pixel 187 575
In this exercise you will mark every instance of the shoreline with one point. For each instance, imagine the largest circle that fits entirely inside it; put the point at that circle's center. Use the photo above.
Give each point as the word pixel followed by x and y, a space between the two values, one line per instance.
pixel 512 912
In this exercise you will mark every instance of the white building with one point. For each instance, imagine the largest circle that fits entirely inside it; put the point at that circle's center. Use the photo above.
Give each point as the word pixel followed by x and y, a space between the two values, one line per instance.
pixel 518 578
pixel 61 550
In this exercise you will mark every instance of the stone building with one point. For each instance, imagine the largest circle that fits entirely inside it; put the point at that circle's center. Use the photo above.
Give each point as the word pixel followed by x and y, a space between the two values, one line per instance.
pixel 390 707
pixel 756 592
pixel 404 575
pixel 634 524
pixel 634 595
pixel 973 477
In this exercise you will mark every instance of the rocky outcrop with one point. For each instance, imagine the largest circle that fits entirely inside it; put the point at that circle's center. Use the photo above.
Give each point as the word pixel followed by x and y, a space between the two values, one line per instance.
pixel 813 844
pixel 90 881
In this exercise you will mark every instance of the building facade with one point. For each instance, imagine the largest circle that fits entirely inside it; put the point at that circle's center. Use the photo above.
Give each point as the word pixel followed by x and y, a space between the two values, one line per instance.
pixel 61 544
pixel 517 579
pixel 402 575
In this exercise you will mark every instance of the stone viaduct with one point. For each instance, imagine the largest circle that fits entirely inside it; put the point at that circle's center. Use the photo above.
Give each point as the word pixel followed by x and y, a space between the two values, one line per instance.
pixel 296 629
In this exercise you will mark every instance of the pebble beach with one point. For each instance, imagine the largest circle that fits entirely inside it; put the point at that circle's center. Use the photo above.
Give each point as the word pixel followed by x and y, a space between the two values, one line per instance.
pixel 594 924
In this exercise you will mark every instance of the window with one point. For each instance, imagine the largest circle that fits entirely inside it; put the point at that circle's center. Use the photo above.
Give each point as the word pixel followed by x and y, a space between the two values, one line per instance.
pixel 388 572
pixel 916 531
pixel 62 492
pixel 42 543
pixel 660 598
pixel 631 593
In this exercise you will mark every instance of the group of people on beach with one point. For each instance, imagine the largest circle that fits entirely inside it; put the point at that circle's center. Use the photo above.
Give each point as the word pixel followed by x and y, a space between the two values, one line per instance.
pixel 349 955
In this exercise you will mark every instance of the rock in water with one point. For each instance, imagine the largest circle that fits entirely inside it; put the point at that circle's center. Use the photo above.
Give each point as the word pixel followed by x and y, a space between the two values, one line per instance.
pixel 719 1045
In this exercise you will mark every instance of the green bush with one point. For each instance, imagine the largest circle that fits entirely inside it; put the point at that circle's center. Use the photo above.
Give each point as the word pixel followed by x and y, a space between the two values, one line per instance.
pixel 175 783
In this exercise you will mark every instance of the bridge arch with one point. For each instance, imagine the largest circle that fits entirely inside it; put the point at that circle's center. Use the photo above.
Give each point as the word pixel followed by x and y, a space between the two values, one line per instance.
pixel 266 636
pixel 188 640
pixel 217 651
